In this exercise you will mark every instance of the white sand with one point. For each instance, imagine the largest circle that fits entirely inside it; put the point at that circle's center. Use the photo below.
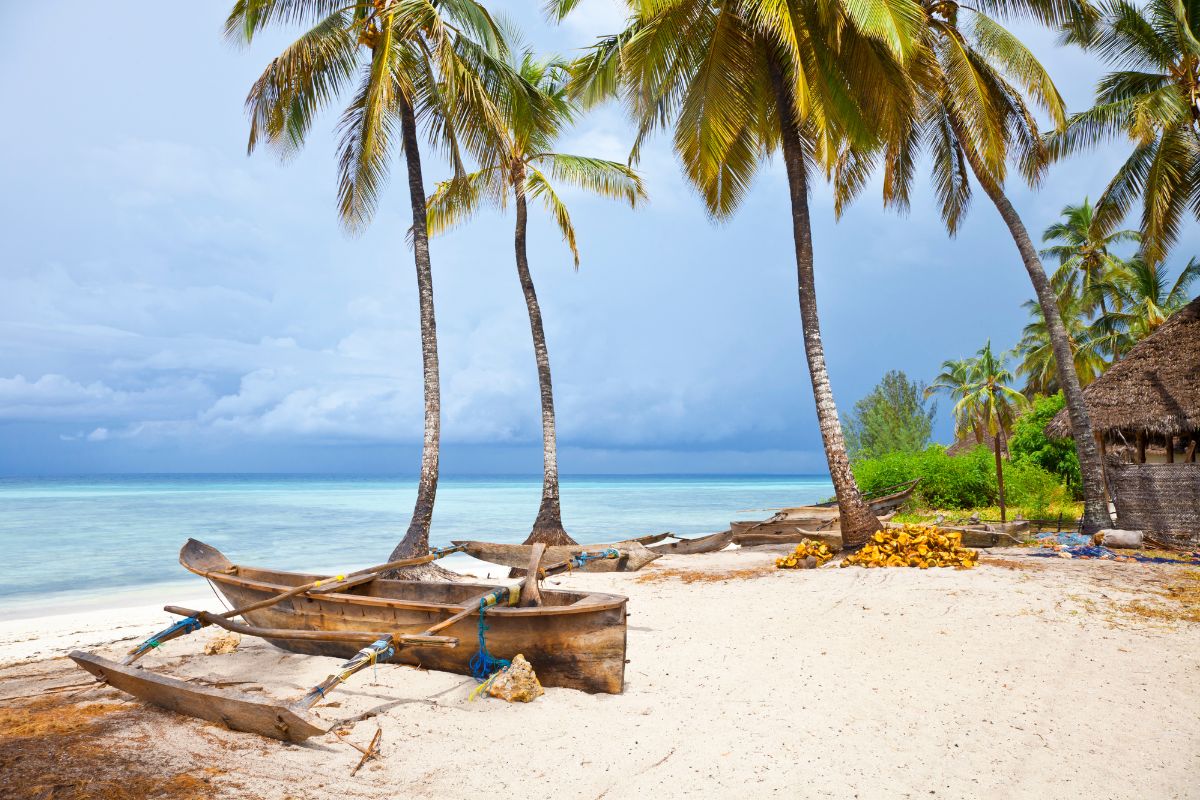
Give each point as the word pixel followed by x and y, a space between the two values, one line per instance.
pixel 988 683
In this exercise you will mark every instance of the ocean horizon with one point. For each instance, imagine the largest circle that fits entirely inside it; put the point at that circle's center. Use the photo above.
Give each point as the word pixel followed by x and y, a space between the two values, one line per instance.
pixel 82 540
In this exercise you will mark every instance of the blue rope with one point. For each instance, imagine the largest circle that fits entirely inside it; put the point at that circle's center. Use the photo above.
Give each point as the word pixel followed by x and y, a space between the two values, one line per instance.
pixel 584 557
pixel 483 663
pixel 187 625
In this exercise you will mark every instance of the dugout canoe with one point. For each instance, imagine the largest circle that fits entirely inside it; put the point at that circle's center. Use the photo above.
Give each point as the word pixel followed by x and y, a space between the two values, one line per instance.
pixel 574 640
pixel 795 531
pixel 703 544
pixel 634 555
pixel 820 518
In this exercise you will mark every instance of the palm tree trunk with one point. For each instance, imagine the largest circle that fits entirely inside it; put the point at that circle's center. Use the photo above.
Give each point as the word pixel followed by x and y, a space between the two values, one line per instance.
pixel 416 540
pixel 547 527
pixel 1095 510
pixel 858 522
pixel 1000 476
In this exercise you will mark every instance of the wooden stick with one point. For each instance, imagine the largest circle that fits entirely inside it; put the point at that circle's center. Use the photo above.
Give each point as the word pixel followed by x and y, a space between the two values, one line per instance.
pixel 369 752
pixel 366 637
pixel 342 581
pixel 531 595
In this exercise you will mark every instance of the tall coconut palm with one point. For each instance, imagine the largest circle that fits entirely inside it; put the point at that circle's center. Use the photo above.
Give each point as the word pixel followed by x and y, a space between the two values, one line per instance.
pixel 1081 246
pixel 741 79
pixel 1090 344
pixel 955 379
pixel 984 401
pixel 1153 99
pixel 972 114
pixel 520 164
pixel 399 61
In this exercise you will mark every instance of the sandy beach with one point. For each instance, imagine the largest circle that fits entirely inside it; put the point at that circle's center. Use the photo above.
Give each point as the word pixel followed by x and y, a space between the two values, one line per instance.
pixel 1023 677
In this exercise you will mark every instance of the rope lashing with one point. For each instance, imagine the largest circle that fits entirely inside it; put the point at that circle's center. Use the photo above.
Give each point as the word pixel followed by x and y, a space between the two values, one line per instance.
pixel 483 664
pixel 441 552
pixel 371 654
pixel 182 627
pixel 584 557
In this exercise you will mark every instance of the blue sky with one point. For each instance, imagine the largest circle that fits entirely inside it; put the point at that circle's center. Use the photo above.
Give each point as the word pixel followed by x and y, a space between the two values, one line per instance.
pixel 169 304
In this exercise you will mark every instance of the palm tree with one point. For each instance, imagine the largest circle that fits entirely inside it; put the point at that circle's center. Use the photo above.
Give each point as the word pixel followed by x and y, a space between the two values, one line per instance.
pixel 521 163
pixel 399 61
pixel 1090 344
pixel 1082 249
pixel 971 115
pixel 741 79
pixel 984 401
pixel 1153 99
pixel 1147 296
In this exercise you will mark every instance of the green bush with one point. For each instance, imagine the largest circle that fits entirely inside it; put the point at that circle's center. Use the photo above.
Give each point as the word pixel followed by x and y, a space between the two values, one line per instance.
pixel 966 481
pixel 1029 444
pixel 1032 489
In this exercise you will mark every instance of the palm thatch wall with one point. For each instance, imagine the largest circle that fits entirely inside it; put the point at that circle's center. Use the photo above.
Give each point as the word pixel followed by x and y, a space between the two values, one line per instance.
pixel 1154 390
pixel 1160 499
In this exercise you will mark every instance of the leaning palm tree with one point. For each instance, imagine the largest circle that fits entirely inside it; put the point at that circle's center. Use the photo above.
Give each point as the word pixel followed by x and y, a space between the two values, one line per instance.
pixel 973 118
pixel 399 61
pixel 1153 100
pixel 1081 246
pixel 520 163
pixel 1091 344
pixel 738 80
pixel 984 402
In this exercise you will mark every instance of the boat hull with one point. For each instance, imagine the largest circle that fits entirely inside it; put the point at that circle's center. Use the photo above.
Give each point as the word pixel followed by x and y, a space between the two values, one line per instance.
pixel 704 544
pixel 576 641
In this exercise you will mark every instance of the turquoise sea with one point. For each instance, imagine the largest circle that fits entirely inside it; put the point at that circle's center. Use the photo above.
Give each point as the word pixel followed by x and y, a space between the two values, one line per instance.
pixel 87 540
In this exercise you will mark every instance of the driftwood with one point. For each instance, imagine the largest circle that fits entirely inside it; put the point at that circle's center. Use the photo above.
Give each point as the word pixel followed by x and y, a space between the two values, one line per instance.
pixel 369 753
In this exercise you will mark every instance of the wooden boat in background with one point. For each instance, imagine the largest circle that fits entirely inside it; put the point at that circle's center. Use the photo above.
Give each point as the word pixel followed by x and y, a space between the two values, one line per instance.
pixel 822 518
pixel 702 544
pixel 634 555
pixel 574 639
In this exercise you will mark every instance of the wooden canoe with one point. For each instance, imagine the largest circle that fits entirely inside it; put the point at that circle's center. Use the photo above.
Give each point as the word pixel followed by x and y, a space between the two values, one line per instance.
pixel 703 544
pixel 822 517
pixel 574 640
pixel 794 532
pixel 634 555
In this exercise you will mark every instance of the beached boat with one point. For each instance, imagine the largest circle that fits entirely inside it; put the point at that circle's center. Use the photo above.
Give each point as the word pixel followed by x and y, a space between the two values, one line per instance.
pixel 831 536
pixel 702 544
pixel 821 518
pixel 574 639
pixel 633 555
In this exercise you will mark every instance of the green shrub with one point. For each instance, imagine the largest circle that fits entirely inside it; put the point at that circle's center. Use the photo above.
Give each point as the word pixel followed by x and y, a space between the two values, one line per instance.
pixel 966 481
pixel 1029 444
pixel 1033 490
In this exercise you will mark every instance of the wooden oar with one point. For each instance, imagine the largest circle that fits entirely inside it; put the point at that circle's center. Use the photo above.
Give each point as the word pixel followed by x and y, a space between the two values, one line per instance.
pixel 193 623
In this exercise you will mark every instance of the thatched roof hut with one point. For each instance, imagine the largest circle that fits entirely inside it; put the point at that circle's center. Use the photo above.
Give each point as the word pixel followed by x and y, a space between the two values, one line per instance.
pixel 1152 396
pixel 1154 390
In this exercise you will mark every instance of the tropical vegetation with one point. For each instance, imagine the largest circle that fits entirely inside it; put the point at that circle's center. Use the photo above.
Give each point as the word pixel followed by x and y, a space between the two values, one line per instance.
pixel 894 417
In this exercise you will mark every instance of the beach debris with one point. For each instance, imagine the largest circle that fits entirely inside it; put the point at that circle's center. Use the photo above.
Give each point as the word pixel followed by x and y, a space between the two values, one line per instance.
pixel 516 683
pixel 914 546
pixel 807 555
pixel 369 752
pixel 1113 537
pixel 222 644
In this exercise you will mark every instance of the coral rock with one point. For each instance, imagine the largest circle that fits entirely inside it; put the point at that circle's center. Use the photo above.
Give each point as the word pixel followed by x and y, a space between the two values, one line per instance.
pixel 222 643
pixel 517 683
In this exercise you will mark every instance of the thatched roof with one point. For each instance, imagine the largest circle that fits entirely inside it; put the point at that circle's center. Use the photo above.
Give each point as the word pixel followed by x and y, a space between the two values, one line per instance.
pixel 1155 388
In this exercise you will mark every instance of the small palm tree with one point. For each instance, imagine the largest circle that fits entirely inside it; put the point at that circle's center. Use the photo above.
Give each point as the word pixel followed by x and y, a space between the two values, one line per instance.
pixel 1147 296
pixel 520 163
pixel 971 79
pixel 738 80
pixel 399 60
pixel 1153 99
pixel 984 402
pixel 1082 249
pixel 1090 345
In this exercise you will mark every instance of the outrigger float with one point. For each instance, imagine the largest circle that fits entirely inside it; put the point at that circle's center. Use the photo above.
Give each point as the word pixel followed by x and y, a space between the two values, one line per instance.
pixel 572 639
